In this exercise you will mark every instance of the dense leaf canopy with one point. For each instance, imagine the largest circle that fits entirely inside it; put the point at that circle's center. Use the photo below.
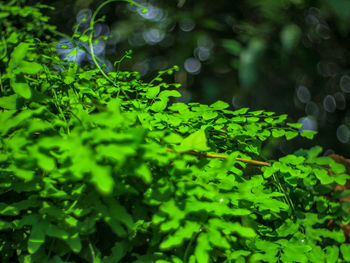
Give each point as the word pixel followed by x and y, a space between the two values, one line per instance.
pixel 100 164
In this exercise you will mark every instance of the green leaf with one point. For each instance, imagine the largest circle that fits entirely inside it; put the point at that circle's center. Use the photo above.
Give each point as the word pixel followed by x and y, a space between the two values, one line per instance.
pixel 217 239
pixel 144 173
pixel 202 249
pixel 314 152
pixel 179 106
pixel 8 210
pixel 19 53
pixel 27 175
pixel 323 160
pixel 342 178
pixel 101 177
pixel 291 134
pixel 288 228
pixel 180 235
pixel 87 75
pixel 332 254
pixel 20 86
pixel 152 92
pixel 29 67
pixel 317 254
pixel 36 238
pixel 11 102
pixel 173 138
pixel 5 225
pixel 84 38
pixel 208 115
pixel 74 242
pixel 268 171
pixel 4 14
pixel 323 176
pixel 239 119
pixel 219 105
pixel 270 120
pixel 264 135
pixel 175 215
pixel 54 231
pixel 252 119
pixel 292 159
pixel 308 134
pixel 119 213
pixel 337 167
pixel 240 111
pixel 278 133
pixel 256 113
pixel 295 125
pixel 345 251
pixel 295 253
pixel 165 94
pixel 159 106
pixel 45 162
pixel 197 141
pixel 68 79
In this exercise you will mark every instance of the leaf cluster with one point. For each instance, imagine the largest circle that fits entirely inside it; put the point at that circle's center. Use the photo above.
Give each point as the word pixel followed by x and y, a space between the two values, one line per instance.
pixel 96 168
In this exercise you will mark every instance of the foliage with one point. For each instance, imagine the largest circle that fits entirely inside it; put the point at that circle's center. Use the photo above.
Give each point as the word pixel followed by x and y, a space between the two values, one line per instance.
pixel 102 167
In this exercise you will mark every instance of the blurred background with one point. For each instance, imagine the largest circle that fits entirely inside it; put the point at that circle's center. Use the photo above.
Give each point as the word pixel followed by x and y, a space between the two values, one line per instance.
pixel 286 56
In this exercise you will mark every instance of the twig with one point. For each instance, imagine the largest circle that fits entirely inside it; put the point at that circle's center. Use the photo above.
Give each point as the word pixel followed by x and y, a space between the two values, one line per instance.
pixel 92 252
pixel 209 155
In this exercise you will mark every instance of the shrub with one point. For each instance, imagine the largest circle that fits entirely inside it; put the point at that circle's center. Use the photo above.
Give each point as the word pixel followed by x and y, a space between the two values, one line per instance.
pixel 101 167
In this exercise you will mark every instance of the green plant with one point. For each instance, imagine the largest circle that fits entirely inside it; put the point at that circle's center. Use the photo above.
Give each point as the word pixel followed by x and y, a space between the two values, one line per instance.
pixel 102 167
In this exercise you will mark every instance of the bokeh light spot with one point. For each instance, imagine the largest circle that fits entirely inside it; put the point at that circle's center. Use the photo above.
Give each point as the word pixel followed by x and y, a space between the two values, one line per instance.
pixel 311 20
pixel 76 55
pixel 311 109
pixel 187 24
pixel 323 31
pixel 85 15
pixel 309 123
pixel 202 53
pixel 340 100
pixel 329 103
pixel 99 47
pixel 142 67
pixel 192 65
pixel 153 36
pixel 303 94
pixel 237 102
pixel 343 133
pixel 63 47
pixel 152 13
pixel 345 83
pixel 327 69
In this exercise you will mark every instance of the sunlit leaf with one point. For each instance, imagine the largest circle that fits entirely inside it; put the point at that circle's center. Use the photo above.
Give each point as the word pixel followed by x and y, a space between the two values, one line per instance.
pixel 197 141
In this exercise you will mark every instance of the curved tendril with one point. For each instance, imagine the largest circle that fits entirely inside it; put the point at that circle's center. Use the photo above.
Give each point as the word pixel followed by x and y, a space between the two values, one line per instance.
pixel 92 32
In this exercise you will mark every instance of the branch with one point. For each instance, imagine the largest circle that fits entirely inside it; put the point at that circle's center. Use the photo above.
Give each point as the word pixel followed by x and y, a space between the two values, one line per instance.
pixel 209 155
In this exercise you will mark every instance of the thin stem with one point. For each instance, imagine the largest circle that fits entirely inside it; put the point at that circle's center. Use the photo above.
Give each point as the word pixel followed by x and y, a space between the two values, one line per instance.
pixel 187 251
pixel 210 155
pixel 286 196
pixel 1 86
pixel 61 112
pixel 92 252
